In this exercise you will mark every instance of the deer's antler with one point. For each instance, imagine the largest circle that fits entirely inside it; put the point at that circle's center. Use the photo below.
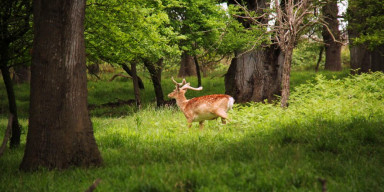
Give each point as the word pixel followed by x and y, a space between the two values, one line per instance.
pixel 178 85
pixel 187 86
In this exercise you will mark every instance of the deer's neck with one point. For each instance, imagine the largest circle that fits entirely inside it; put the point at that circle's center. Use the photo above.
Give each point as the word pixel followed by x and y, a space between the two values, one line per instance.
pixel 181 101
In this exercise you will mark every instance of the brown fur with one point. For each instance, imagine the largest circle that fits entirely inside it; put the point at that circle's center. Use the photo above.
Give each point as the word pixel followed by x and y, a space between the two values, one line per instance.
pixel 202 108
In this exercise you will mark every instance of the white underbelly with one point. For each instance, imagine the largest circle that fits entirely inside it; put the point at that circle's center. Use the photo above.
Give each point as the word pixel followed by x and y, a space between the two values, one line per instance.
pixel 206 116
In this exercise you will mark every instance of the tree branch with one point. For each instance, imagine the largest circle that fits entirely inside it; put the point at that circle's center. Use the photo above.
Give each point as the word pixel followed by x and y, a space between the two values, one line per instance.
pixel 120 75
pixel 94 185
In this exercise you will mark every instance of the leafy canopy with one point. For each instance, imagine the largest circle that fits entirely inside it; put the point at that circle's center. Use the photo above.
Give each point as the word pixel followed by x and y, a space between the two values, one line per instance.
pixel 366 17
pixel 123 30
pixel 120 31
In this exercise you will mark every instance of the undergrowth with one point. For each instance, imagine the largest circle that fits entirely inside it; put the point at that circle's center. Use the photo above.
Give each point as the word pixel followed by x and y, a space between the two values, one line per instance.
pixel 333 129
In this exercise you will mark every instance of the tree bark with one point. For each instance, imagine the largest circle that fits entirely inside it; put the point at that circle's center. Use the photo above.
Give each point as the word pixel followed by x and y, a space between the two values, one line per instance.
pixel 197 71
pixel 16 129
pixel 155 72
pixel 60 133
pixel 286 77
pixel 187 66
pixel 126 69
pixel 136 89
pixel 255 76
pixel 363 60
pixel 319 59
pixel 4 59
pixel 377 59
pixel 359 59
pixel 332 47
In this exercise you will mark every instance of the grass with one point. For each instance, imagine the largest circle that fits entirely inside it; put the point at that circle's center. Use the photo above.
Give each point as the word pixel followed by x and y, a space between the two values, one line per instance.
pixel 333 130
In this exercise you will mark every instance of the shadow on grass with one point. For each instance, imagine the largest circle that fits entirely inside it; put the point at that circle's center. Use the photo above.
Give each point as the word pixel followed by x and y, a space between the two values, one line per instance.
pixel 290 156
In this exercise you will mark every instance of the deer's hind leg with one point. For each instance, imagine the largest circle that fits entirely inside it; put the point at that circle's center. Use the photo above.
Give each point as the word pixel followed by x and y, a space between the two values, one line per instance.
pixel 221 113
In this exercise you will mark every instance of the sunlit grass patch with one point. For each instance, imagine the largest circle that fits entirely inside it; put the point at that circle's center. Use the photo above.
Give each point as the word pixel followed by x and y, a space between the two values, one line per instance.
pixel 333 129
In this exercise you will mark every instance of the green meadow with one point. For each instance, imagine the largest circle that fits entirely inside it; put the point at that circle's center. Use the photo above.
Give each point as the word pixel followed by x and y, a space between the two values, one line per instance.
pixel 333 130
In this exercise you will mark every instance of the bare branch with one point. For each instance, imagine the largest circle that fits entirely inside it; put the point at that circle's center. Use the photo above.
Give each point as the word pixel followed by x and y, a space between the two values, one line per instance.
pixel 94 185
pixel 325 24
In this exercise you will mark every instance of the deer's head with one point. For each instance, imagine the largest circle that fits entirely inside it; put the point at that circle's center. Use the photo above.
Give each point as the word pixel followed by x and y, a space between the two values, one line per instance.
pixel 181 89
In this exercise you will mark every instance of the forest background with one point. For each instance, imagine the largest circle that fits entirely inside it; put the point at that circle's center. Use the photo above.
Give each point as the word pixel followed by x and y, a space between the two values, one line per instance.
pixel 308 91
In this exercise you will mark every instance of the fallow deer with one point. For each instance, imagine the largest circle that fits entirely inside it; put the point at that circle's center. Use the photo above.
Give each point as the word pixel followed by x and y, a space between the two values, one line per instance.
pixel 202 108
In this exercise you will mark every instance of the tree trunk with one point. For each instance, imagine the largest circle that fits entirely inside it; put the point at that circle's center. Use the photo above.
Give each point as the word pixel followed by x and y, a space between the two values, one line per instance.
pixel 286 77
pixel 16 129
pixel 197 71
pixel 187 67
pixel 359 54
pixel 360 57
pixel 332 47
pixel 377 59
pixel 155 72
pixel 364 60
pixel 60 133
pixel 136 89
pixel 255 76
pixel 319 59
pixel 126 69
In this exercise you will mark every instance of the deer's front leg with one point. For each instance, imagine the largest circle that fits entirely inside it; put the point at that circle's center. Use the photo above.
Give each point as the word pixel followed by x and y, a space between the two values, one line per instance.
pixel 189 119
pixel 189 123
pixel 201 125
